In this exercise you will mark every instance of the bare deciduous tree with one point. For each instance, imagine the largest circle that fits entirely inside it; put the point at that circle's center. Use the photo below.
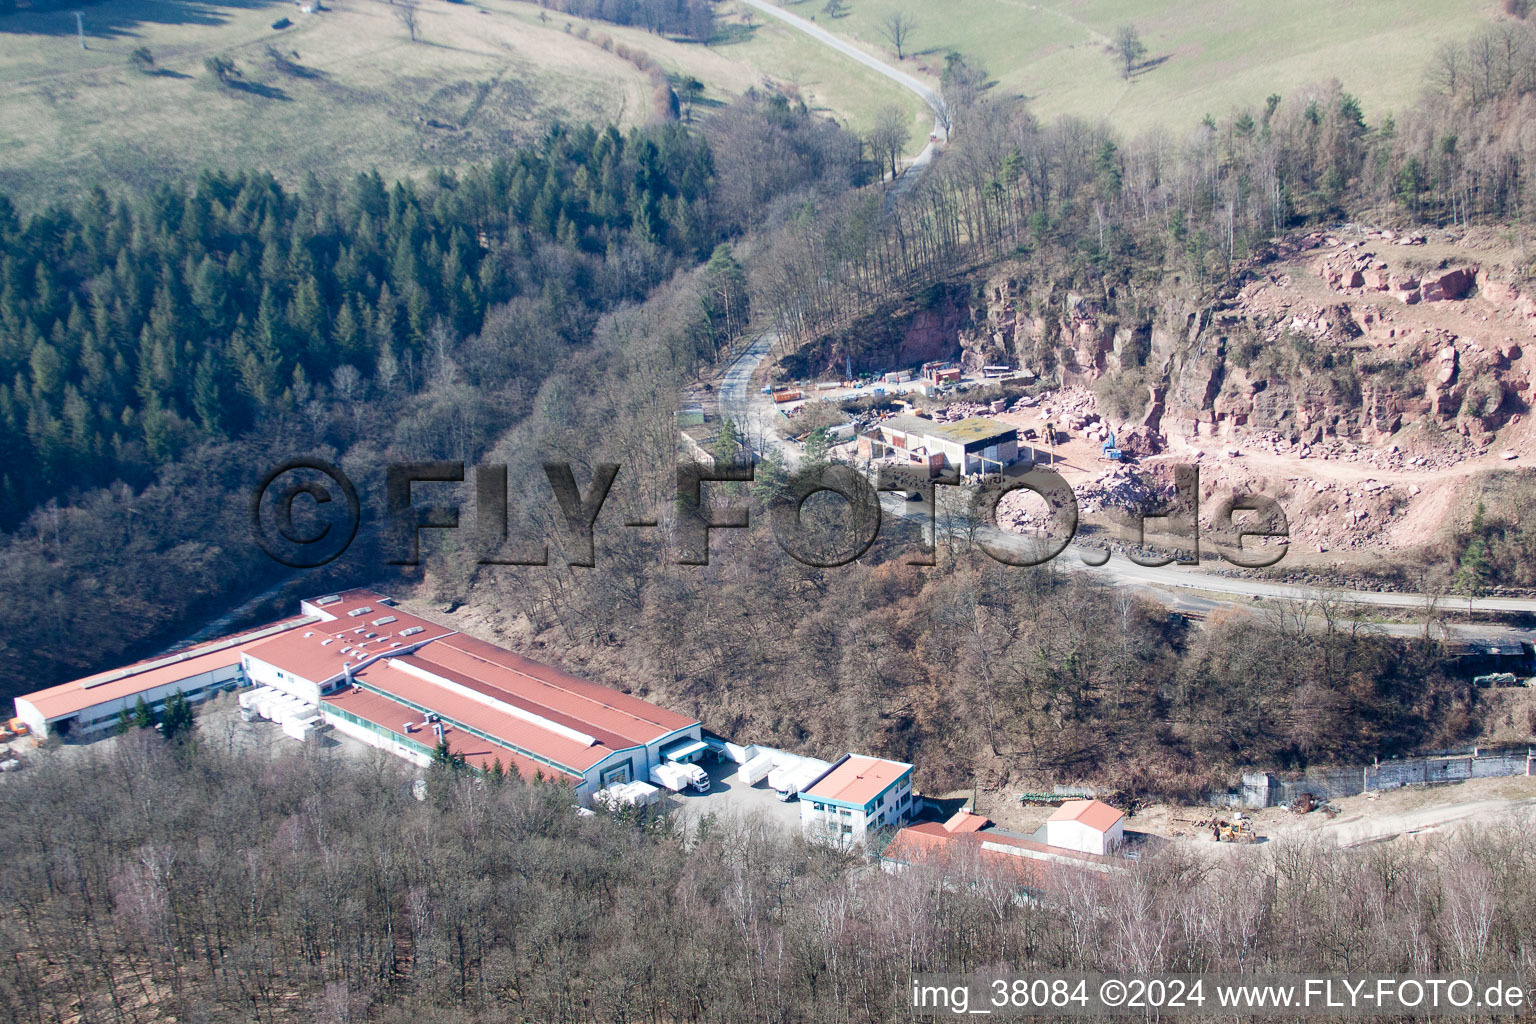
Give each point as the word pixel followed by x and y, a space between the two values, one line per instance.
pixel 889 137
pixel 1129 48
pixel 897 27
pixel 406 12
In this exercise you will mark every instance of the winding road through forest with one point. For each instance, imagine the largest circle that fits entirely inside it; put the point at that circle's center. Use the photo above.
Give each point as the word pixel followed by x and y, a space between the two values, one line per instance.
pixel 914 169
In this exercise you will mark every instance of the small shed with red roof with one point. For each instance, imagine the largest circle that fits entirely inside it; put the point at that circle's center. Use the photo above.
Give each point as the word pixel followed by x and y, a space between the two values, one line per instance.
pixel 1089 826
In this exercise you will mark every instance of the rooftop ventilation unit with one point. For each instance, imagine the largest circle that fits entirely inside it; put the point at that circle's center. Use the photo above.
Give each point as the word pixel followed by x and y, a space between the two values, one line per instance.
pixel 384 621
pixel 308 633
pixel 331 599
pixel 413 630
pixel 327 643
pixel 372 636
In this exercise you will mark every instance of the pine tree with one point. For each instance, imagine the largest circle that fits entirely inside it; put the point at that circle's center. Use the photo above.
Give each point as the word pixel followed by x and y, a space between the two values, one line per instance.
pixel 177 718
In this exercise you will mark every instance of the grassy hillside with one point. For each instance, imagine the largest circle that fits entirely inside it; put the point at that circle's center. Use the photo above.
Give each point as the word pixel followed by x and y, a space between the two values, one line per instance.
pixel 1205 57
pixel 825 79
pixel 351 91
pixel 354 92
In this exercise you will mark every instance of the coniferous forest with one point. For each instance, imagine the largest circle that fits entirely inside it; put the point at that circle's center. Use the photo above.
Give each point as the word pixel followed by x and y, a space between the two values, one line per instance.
pixel 133 328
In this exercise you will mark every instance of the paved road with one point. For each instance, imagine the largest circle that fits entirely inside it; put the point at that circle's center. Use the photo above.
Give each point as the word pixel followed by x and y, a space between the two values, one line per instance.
pixel 751 410
pixel 913 170
pixel 755 414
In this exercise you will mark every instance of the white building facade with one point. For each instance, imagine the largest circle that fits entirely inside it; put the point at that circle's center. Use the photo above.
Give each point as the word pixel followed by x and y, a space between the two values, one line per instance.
pixel 855 798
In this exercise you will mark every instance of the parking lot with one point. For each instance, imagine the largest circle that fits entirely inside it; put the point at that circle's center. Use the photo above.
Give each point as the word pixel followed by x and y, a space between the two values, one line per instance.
pixel 731 798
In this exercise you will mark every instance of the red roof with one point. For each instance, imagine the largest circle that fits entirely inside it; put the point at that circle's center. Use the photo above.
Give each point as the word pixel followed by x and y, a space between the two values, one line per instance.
pixel 858 780
pixel 965 821
pixel 353 634
pixel 402 684
pixel 934 843
pixel 597 709
pixel 104 687
pixel 481 753
pixel 1096 814
pixel 521 703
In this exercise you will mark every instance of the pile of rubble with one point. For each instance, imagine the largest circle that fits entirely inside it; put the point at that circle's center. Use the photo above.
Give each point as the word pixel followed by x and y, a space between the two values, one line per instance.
pixel 1353 270
pixel 1140 442
pixel 1122 489
pixel 1391 456
pixel 1023 512
pixel 960 411
pixel 1070 407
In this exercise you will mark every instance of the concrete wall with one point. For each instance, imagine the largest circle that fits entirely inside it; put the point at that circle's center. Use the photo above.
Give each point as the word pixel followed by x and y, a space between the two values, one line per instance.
pixel 376 739
pixel 1260 789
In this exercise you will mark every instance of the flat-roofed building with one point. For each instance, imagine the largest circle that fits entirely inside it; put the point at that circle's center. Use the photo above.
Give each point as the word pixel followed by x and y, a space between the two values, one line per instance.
pixel 976 445
pixel 858 795
pixel 403 683
pixel 969 843
pixel 88 708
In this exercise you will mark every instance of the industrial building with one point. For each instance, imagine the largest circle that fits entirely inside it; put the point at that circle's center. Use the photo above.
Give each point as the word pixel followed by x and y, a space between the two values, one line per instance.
pixel 976 445
pixel 89 708
pixel 856 796
pixel 375 672
pixel 970 841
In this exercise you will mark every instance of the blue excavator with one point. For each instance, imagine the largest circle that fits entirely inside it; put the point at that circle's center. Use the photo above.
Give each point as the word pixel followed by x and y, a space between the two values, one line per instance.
pixel 1112 453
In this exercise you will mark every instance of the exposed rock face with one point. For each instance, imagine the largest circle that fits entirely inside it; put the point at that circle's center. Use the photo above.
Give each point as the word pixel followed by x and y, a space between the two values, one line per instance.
pixel 883 341
pixel 1447 371
pixel 1280 358
pixel 1324 339
pixel 1454 284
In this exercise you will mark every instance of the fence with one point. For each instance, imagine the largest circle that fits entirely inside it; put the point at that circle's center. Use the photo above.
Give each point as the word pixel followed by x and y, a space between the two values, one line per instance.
pixel 1268 789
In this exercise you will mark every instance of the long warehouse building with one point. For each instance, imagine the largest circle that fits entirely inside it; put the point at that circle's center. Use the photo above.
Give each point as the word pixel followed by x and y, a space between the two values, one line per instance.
pixel 375 672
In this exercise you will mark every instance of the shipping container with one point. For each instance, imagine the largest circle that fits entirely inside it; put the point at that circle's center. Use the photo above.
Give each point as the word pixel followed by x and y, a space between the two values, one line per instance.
pixel 756 770
pixel 670 776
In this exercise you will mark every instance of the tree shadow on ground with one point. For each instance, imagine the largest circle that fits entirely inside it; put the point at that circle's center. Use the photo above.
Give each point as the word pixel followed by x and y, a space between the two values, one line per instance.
pixel 1148 65
pixel 268 92
pixel 122 19
pixel 289 66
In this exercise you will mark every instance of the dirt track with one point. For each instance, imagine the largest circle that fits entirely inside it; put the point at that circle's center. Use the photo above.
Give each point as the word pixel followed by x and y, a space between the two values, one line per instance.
pixel 1394 815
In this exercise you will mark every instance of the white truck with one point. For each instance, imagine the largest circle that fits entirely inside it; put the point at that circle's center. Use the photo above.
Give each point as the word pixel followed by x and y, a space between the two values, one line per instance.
pixel 755 770
pixel 627 794
pixel 698 778
pixel 670 776
pixel 789 777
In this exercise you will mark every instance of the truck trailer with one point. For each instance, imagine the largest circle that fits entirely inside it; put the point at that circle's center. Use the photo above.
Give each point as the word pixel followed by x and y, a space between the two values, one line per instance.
pixel 670 776
pixel 791 776
pixel 698 778
pixel 755 770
